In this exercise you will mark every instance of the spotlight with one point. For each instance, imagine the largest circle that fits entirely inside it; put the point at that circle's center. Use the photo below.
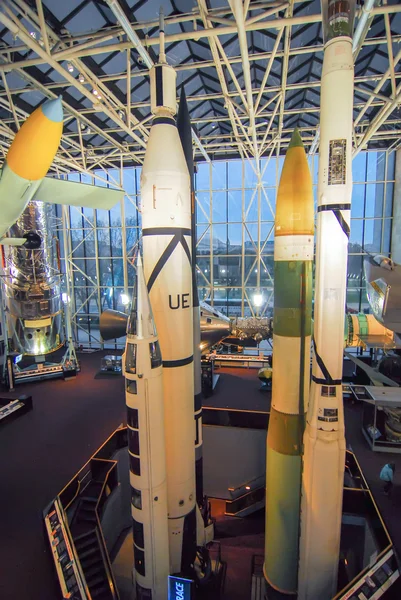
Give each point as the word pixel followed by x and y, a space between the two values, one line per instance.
pixel 258 300
pixel 33 34
pixel 83 126
pixel 121 114
pixel 88 130
pixel 124 299
pixel 70 67
pixel 81 78
pixel 95 92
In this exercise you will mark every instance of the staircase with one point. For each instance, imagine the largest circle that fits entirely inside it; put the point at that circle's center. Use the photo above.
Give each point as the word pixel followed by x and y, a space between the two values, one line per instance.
pixel 89 543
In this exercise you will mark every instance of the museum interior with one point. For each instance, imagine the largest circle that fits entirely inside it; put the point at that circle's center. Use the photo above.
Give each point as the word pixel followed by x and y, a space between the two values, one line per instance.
pixel 200 299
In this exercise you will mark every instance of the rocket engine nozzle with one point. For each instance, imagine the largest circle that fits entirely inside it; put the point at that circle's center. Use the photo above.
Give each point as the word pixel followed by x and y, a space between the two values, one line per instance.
pixel 113 324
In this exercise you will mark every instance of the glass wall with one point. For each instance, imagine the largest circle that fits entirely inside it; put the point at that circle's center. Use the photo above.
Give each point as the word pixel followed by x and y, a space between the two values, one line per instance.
pixel 235 236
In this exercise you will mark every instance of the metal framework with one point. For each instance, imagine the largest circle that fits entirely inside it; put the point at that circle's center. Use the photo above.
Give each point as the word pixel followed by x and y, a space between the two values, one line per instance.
pixel 235 237
pixel 251 70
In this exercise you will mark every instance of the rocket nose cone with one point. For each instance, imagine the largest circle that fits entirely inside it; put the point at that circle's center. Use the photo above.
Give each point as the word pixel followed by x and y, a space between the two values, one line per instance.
pixel 296 139
pixel 53 110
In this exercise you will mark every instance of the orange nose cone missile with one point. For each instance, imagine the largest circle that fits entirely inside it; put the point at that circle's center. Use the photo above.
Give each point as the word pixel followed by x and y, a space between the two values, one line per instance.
pixel 294 210
pixel 35 145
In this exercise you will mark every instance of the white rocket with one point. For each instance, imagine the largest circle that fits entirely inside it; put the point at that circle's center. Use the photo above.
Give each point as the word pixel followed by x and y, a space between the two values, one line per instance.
pixel 166 230
pixel 324 441
pixel 143 373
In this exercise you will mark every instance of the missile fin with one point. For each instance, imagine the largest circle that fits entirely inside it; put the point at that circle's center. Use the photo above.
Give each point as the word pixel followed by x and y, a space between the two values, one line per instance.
pixel 73 193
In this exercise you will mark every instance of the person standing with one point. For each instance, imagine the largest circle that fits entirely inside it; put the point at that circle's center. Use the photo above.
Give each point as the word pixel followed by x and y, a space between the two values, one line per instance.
pixel 387 476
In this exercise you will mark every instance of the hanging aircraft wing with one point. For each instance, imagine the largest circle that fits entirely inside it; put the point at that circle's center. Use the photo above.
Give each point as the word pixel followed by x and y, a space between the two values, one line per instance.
pixel 73 193
pixel 9 241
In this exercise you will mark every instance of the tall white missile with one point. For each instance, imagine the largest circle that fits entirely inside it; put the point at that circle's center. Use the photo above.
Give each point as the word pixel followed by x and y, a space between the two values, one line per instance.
pixel 324 441
pixel 166 230
pixel 143 373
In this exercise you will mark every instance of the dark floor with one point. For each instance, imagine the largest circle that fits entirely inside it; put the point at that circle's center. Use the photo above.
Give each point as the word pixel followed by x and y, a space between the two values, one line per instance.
pixel 42 450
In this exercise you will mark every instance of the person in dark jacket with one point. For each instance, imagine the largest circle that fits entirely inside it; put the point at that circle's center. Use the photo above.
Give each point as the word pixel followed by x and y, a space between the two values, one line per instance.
pixel 387 476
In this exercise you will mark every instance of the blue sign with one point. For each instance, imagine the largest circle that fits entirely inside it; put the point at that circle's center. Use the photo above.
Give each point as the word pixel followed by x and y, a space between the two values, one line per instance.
pixel 179 588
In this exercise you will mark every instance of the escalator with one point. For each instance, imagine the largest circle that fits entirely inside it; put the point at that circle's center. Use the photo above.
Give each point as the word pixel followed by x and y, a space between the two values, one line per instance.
pixel 246 504
pixel 88 540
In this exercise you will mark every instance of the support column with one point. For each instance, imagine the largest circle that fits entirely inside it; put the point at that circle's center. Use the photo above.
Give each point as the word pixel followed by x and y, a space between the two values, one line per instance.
pixel 396 228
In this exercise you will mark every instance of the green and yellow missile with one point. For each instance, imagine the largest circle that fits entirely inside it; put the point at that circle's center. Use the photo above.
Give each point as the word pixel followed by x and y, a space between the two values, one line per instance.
pixel 293 256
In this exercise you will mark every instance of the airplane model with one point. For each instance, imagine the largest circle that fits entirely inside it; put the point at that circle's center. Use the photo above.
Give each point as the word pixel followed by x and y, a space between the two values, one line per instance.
pixel 23 175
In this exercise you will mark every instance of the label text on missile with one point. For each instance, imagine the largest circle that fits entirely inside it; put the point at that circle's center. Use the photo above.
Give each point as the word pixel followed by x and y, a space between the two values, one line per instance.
pixel 182 299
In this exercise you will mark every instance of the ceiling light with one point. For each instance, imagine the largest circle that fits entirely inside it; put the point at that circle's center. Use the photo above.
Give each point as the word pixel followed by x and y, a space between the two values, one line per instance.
pixel 81 78
pixel 121 114
pixel 70 67
pixel 83 126
pixel 95 92
pixel 33 34
pixel 88 130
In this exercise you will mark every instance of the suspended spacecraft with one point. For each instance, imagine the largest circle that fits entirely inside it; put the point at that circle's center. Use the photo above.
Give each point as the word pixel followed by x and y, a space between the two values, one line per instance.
pixel 27 163
pixel 31 272
pixel 383 288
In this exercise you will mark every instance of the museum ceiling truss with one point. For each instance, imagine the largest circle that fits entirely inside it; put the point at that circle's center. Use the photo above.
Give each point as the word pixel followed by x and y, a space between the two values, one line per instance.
pixel 251 72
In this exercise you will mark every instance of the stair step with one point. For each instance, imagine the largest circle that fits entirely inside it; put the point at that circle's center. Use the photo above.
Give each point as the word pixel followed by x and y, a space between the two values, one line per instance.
pixel 86 542
pixel 86 553
pixel 98 581
pixel 94 570
pixel 90 562
pixel 84 535
pixel 102 593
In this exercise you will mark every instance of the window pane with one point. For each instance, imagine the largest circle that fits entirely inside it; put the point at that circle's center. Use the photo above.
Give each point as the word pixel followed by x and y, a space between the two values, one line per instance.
pixel 220 239
pixel 234 173
pixel 358 200
pixel 359 167
pixel 219 207
pixel 374 200
pixel 355 240
pixel 219 175
pixel 235 206
pixel 372 235
pixel 389 200
pixel 202 177
pixel 391 166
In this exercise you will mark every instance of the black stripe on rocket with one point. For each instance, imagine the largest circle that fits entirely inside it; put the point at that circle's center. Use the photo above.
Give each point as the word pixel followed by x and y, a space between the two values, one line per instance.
pixel 328 380
pixel 336 209
pixel 178 234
